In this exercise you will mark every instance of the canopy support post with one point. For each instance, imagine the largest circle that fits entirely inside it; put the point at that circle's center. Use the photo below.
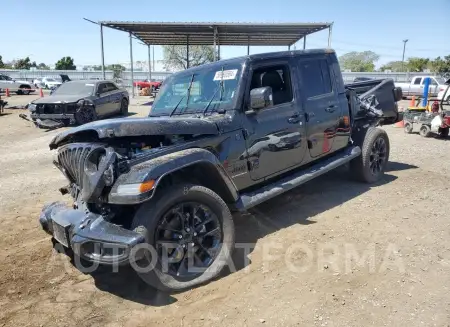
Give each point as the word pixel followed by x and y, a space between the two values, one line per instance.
pixel 131 65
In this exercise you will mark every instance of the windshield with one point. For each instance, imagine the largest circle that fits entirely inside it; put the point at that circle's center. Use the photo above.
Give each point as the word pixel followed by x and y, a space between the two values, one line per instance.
pixel 441 80
pixel 75 89
pixel 206 91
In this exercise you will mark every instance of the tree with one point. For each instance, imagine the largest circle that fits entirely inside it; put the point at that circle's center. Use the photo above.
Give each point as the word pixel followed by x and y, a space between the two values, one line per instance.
pixel 440 65
pixel 24 63
pixel 43 66
pixel 175 56
pixel 417 64
pixel 65 63
pixel 395 66
pixel 359 61
pixel 117 69
pixel 2 65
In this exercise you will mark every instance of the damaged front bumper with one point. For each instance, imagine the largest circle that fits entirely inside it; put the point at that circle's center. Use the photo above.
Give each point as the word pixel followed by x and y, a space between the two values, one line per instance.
pixel 90 236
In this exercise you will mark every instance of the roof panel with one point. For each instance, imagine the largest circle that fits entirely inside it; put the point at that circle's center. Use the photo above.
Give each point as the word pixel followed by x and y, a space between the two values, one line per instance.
pixel 171 33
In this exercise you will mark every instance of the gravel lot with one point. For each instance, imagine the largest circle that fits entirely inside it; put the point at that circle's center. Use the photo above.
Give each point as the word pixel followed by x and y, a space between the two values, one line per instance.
pixel 330 253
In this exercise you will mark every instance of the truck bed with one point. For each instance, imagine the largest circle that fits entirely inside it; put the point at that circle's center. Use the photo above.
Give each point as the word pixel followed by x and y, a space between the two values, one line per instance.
pixel 380 95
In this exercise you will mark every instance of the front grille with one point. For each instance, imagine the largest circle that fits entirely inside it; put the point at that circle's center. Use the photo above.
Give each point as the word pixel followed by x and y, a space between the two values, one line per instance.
pixel 50 108
pixel 72 158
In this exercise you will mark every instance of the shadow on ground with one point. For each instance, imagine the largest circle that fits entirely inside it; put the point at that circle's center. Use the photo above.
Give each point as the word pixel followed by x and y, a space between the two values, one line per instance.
pixel 294 207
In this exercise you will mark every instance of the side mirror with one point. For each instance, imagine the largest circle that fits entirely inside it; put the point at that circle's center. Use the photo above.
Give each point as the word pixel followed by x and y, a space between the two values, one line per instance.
pixel 261 98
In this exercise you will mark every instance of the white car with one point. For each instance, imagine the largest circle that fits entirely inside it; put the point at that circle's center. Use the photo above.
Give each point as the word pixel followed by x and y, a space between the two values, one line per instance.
pixel 20 87
pixel 50 82
pixel 442 90
pixel 37 82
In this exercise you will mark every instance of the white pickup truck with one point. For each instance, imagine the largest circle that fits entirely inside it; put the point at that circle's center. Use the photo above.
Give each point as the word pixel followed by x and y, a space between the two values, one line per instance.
pixel 20 87
pixel 415 87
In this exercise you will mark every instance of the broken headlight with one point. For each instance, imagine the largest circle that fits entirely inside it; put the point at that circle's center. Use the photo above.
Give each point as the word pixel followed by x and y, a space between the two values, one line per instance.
pixel 32 107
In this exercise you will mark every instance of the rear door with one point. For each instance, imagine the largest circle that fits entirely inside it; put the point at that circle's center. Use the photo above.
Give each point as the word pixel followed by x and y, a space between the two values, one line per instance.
pixel 321 105
pixel 416 87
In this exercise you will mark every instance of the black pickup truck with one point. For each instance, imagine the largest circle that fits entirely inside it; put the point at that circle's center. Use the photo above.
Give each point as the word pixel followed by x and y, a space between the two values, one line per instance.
pixel 159 192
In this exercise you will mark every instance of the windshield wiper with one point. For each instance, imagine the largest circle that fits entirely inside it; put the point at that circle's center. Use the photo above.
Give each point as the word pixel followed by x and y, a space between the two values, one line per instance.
pixel 187 94
pixel 215 93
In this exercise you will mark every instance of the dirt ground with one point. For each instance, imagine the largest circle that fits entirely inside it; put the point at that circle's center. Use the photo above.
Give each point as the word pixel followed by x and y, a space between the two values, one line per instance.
pixel 330 253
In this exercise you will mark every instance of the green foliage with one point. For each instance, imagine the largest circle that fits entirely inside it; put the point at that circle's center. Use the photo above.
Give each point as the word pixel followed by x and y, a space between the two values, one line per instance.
pixel 43 66
pixel 417 64
pixel 359 61
pixel 395 66
pixel 24 63
pixel 65 63
pixel 175 56
pixel 2 65
pixel 440 65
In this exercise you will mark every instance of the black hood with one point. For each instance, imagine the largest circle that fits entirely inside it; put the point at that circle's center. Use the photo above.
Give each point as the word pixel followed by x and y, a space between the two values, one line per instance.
pixel 120 127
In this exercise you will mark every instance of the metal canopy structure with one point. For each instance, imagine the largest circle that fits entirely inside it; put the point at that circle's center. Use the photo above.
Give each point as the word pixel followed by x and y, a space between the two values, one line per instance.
pixel 214 33
pixel 237 34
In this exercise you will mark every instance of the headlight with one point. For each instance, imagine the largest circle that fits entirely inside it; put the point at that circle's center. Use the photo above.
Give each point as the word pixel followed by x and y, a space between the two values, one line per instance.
pixel 32 107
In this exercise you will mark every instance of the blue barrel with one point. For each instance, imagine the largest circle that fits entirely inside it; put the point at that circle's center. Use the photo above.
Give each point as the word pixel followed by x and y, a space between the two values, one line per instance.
pixel 426 86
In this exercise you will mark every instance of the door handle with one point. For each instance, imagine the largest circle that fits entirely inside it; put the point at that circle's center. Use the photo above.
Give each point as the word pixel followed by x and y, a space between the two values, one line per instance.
pixel 294 119
pixel 330 108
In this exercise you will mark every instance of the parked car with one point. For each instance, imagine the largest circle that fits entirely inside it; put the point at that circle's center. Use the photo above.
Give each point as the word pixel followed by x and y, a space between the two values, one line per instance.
pixel 169 183
pixel 153 84
pixel 81 102
pixel 37 82
pixel 445 91
pixel 415 87
pixel 49 82
pixel 17 86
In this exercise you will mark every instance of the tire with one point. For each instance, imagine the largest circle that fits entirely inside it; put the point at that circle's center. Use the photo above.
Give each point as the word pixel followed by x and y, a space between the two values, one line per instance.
pixel 425 131
pixel 408 128
pixel 124 107
pixel 369 167
pixel 19 92
pixel 152 214
pixel 443 132
pixel 85 115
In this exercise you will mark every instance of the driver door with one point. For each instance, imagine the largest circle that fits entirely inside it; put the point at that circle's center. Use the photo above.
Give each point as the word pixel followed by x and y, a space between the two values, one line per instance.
pixel 275 135
pixel 102 101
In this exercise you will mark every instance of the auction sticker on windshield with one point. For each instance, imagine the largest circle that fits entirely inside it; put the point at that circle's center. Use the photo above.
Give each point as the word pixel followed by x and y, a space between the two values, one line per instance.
pixel 225 75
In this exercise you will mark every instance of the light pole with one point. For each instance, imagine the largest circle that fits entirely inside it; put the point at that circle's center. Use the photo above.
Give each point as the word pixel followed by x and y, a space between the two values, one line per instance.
pixel 403 58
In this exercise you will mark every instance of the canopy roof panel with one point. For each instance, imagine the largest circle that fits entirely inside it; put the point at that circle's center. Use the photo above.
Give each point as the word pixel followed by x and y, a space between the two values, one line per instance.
pixel 162 33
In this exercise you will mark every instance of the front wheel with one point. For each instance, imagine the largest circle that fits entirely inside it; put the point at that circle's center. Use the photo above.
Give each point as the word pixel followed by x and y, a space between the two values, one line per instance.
pixel 370 166
pixel 191 230
pixel 408 128
pixel 85 114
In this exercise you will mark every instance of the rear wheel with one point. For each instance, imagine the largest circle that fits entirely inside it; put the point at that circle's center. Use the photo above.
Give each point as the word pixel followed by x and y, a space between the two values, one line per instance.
pixel 192 232
pixel 370 166
pixel 124 107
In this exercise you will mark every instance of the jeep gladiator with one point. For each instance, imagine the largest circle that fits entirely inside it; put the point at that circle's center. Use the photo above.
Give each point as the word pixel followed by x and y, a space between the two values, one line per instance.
pixel 220 138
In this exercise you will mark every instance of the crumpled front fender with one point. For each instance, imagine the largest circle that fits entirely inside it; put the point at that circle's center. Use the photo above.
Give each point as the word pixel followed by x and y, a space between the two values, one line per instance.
pixel 156 169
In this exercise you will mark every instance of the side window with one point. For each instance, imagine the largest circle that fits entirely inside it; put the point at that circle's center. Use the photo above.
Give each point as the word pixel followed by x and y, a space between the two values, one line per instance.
pixel 433 81
pixel 316 78
pixel 417 80
pixel 111 87
pixel 102 88
pixel 276 77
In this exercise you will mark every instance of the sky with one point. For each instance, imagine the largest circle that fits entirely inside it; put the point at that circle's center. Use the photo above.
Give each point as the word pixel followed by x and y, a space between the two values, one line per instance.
pixel 47 30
